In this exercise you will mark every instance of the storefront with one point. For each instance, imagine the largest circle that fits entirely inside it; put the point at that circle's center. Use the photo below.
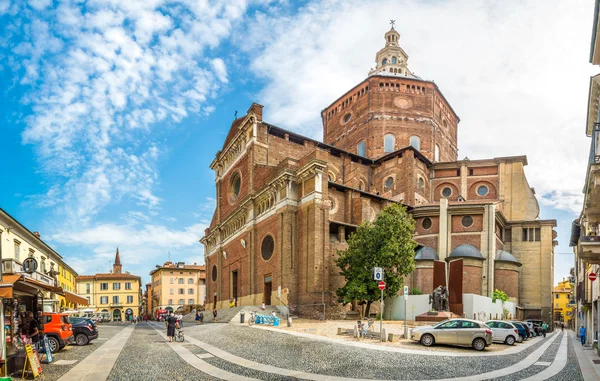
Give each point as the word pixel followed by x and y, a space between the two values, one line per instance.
pixel 75 300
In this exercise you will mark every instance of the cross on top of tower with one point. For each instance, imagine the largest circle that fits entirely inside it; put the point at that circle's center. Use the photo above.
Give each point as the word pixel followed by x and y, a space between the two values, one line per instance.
pixel 392 23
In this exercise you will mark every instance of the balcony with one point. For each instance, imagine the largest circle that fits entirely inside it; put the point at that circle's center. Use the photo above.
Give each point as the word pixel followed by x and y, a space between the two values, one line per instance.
pixel 591 207
pixel 10 266
pixel 589 249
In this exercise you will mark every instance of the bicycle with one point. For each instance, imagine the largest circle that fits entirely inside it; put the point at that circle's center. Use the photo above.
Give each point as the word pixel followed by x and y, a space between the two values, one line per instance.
pixel 252 318
pixel 179 335
pixel 364 328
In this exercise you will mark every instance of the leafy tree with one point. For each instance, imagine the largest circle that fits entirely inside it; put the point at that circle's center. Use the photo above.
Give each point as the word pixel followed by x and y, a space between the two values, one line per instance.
pixel 386 243
pixel 501 295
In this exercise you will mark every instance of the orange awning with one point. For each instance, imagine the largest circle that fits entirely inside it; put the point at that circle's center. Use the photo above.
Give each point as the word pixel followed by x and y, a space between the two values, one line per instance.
pixel 6 287
pixel 75 299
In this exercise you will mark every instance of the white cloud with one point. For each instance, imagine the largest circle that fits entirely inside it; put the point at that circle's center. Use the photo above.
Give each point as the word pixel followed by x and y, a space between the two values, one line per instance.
pixel 519 87
pixel 220 69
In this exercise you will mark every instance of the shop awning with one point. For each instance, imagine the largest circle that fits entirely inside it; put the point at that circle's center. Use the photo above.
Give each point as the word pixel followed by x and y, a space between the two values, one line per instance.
pixel 75 299
pixel 7 284
pixel 43 286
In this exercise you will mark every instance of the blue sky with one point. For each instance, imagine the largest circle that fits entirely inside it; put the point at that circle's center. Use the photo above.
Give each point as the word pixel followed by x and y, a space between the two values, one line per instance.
pixel 111 111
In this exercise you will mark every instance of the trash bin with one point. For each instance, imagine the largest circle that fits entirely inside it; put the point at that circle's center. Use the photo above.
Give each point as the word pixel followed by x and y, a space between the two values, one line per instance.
pixel 242 315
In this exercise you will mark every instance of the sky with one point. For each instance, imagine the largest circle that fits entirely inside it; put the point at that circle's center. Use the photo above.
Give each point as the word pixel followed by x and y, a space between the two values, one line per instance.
pixel 111 111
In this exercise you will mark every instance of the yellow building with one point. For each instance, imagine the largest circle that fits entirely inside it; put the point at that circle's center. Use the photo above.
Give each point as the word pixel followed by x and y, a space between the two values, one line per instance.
pixel 115 295
pixel 564 303
pixel 17 243
pixel 174 285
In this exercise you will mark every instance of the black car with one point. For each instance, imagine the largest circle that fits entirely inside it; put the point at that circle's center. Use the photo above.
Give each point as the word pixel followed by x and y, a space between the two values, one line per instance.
pixel 84 330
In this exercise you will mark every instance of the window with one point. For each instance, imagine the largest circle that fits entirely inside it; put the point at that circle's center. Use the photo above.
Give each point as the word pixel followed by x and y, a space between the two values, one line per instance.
pixel 116 286
pixel 415 142
pixel 394 60
pixel 171 291
pixel 389 182
pixel 267 247
pixel 421 183
pixel 426 223
pixel 467 221
pixel 191 291
pixel 190 280
pixel 116 299
pixel 170 301
pixel 234 186
pixel 384 61
pixel 388 143
pixel 508 235
pixel 360 149
pixel 447 192
pixel 181 281
pixel 87 288
pixel 171 280
pixel 17 250
pixel 43 265
pixel 190 301
pixel 482 190
pixel 468 324
pixel 214 273
pixel 437 153
pixel 450 324
pixel 557 305
pixel 556 296
pixel 347 117
pixel 181 291
pixel 128 285
pixel 104 286
pixel 88 299
pixel 104 300
pixel 129 299
pixel 531 235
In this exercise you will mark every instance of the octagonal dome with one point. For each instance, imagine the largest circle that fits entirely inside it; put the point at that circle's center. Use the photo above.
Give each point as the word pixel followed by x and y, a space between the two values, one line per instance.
pixel 466 251
pixel 426 253
pixel 502 255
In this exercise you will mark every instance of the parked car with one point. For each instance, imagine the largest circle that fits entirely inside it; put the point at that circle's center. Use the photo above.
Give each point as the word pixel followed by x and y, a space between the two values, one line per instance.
pixel 523 335
pixel 503 331
pixel 537 326
pixel 57 326
pixel 84 330
pixel 530 329
pixel 454 332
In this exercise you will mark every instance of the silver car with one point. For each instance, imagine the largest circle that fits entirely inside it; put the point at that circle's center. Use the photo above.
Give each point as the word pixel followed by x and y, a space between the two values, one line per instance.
pixel 465 332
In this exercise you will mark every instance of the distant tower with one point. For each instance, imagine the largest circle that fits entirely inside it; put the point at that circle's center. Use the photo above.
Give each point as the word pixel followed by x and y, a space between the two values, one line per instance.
pixel 117 268
pixel 392 59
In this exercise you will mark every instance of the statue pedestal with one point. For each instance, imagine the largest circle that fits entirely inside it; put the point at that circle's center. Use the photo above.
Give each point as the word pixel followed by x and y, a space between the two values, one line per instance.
pixel 436 316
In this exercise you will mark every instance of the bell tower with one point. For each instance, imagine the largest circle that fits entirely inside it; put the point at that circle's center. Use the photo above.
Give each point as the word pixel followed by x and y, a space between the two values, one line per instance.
pixel 392 59
pixel 117 268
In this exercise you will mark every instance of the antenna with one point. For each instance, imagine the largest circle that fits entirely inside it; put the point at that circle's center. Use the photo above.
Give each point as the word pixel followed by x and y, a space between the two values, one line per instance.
pixel 235 115
pixel 170 252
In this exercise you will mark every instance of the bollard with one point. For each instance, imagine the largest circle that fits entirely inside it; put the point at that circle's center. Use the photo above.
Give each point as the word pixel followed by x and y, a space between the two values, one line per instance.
pixel 289 321
pixel 242 315
pixel 276 322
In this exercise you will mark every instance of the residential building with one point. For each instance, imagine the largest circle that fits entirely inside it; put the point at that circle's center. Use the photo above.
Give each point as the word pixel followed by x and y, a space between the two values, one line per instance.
pixel 175 285
pixel 18 243
pixel 117 294
pixel 148 300
pixel 287 203
pixel 564 303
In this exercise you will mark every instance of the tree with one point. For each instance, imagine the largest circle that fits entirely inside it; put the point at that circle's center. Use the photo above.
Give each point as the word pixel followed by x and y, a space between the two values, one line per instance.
pixel 501 295
pixel 386 243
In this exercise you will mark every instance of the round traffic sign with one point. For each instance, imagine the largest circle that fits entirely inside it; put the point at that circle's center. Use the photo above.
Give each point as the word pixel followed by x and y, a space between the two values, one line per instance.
pixel 382 285
pixel 592 276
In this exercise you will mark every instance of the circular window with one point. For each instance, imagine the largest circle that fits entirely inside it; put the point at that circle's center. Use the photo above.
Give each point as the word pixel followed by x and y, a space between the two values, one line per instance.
pixel 389 182
pixel 267 247
pixel 447 192
pixel 332 207
pixel 347 118
pixel 421 183
pixel 467 221
pixel 235 184
pixel 214 273
pixel 482 190
pixel 426 223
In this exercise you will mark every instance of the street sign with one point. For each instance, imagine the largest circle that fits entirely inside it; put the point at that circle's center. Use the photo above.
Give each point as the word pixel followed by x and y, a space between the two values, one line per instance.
pixel 378 273
pixel 592 276
pixel 382 285
pixel 405 292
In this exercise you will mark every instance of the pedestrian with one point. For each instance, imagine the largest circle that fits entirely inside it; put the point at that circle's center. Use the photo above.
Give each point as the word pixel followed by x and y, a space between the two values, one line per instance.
pixel 201 317
pixel 197 318
pixel 180 320
pixel 262 306
pixel 562 326
pixel 31 330
pixel 544 328
pixel 171 322
pixel 582 333
pixel 215 314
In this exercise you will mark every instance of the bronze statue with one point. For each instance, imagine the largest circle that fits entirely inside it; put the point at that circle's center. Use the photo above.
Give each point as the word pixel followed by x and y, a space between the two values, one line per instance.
pixel 439 299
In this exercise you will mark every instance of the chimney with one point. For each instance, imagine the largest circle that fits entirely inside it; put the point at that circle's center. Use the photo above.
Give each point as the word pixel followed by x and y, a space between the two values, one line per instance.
pixel 37 234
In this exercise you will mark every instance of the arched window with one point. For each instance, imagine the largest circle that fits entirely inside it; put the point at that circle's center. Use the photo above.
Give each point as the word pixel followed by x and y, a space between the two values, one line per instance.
pixel 394 60
pixel 437 153
pixel 384 61
pixel 415 141
pixel 360 149
pixel 388 143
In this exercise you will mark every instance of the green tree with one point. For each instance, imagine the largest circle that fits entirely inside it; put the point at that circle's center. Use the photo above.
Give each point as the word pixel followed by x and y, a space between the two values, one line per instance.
pixel 501 295
pixel 386 243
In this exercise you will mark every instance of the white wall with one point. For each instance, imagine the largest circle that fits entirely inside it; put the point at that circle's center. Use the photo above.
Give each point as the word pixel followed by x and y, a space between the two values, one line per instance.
pixel 483 307
pixel 415 305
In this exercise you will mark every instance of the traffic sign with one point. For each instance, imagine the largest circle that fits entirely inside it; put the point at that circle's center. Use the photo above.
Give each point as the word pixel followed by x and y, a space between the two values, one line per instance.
pixel 378 273
pixel 382 285
pixel 405 292
pixel 592 276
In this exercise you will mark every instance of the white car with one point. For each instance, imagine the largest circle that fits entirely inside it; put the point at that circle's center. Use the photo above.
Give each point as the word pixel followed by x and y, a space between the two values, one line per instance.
pixel 503 331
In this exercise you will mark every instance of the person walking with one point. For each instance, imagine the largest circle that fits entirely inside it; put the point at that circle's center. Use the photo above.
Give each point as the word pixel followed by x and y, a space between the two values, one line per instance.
pixel 197 318
pixel 215 314
pixel 544 328
pixel 201 317
pixel 582 333
pixel 562 326
pixel 171 322
pixel 31 329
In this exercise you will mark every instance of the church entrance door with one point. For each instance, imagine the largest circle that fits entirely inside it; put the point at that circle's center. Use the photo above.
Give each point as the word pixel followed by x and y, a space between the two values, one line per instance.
pixel 234 286
pixel 268 289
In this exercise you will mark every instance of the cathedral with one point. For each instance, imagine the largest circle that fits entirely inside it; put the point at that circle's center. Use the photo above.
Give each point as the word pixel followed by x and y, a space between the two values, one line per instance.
pixel 286 204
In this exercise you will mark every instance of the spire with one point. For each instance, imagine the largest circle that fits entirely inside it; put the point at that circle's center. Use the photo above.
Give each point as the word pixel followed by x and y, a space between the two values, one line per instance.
pixel 117 265
pixel 392 59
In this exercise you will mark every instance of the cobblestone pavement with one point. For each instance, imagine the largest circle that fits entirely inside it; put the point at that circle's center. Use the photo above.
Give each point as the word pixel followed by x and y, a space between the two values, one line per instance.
pixel 243 353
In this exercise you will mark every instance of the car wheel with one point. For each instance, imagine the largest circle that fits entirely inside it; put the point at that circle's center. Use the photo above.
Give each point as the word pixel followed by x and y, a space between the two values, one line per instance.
pixel 427 340
pixel 510 340
pixel 479 344
pixel 530 334
pixel 82 339
pixel 519 339
pixel 54 344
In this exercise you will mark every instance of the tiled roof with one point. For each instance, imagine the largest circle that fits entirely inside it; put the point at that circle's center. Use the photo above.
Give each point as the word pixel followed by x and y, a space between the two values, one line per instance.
pixel 108 276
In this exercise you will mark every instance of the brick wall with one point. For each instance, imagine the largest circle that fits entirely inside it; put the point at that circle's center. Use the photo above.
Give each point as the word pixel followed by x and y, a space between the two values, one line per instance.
pixel 464 239
pixel 423 277
pixel 457 226
pixel 472 276
pixel 507 281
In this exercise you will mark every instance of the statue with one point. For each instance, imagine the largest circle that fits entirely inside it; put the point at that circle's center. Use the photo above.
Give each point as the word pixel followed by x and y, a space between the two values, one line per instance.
pixel 439 299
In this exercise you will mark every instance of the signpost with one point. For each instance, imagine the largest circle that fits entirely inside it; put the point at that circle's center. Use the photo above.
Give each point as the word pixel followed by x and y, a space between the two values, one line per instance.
pixel 592 276
pixel 405 299
pixel 381 287
pixel 378 273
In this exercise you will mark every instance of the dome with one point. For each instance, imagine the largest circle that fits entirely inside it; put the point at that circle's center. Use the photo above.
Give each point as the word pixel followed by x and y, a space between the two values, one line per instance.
pixel 426 253
pixel 467 251
pixel 505 256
